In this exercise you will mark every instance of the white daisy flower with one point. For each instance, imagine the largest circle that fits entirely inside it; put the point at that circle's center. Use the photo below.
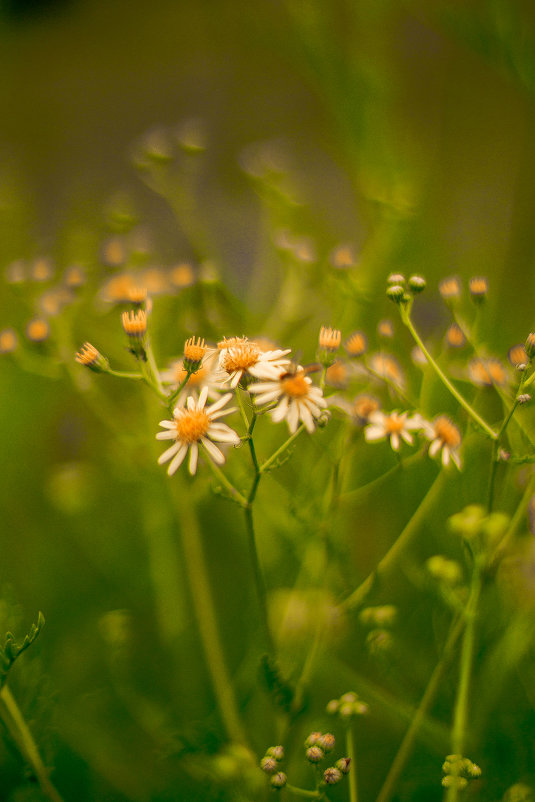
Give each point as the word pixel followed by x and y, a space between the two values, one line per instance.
pixel 394 426
pixel 239 356
pixel 194 424
pixel 298 399
pixel 445 437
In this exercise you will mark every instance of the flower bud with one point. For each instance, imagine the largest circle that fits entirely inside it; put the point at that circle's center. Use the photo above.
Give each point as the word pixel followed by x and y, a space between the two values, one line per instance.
pixel 314 754
pixel 332 775
pixel 417 284
pixel 279 780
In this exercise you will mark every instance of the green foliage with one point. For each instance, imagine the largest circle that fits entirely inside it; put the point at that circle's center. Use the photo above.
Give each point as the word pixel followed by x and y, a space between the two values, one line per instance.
pixel 11 650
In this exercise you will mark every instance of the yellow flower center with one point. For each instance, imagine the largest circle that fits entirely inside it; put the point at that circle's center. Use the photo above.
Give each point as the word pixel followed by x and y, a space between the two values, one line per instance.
pixel 192 425
pixel 394 424
pixel 295 386
pixel 241 357
pixel 446 431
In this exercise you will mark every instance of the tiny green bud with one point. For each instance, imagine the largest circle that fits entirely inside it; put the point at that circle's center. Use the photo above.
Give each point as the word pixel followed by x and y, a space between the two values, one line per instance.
pixel 327 742
pixel 396 278
pixel 396 293
pixel 332 775
pixel 315 754
pixel 417 284
pixel 332 707
pixel 268 764
pixel 276 751
pixel 313 739
pixel 343 765
pixel 279 780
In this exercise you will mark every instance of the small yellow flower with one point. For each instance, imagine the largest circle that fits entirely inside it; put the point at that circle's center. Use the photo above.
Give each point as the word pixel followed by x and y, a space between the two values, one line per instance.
pixel 385 328
pixel 135 324
pixel 37 330
pixel 486 372
pixel 388 368
pixel 330 339
pixel 455 337
pixel 182 275
pixel 356 344
pixel 91 358
pixel 343 257
pixel 450 288
pixel 478 286
pixel 8 341
pixel 517 356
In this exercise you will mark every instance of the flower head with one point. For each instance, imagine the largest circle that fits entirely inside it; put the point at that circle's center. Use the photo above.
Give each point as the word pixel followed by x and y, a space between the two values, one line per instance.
pixel 356 344
pixel 394 426
pixel 445 437
pixel 486 372
pixel 90 357
pixel 193 425
pixel 239 356
pixel 298 399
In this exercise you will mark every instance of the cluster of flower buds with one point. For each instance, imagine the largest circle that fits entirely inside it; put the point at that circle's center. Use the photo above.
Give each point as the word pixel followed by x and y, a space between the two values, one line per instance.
pixel 484 532
pixel 347 706
pixel 270 764
pixel 402 290
pixel 446 571
pixel 317 746
pixel 379 620
pixel 458 771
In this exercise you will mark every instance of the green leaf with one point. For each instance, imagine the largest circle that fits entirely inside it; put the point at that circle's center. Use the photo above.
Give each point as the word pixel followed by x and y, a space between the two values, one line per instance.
pixel 11 650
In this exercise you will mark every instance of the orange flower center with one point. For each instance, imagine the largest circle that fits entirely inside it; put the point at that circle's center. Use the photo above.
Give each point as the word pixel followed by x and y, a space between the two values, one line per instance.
pixel 446 431
pixel 192 425
pixel 241 357
pixel 295 386
pixel 394 424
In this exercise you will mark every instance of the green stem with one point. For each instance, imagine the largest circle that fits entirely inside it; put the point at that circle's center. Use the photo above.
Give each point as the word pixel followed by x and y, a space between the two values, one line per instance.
pixel 398 547
pixel 20 732
pixel 460 715
pixel 204 610
pixel 234 492
pixel 123 374
pixel 172 398
pixel 281 450
pixel 293 789
pixel 258 578
pixel 435 681
pixel 495 455
pixel 405 317
pixel 351 752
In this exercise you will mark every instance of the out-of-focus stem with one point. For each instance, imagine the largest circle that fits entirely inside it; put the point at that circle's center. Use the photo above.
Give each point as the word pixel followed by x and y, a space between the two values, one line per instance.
pixel 19 730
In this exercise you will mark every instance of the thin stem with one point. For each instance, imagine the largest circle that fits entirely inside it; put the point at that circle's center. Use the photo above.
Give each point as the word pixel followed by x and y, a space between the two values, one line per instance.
pixel 495 455
pixel 172 398
pixel 234 492
pixel 281 450
pixel 405 748
pixel 20 732
pixel 405 317
pixel 204 611
pixel 123 374
pixel 398 547
pixel 351 752
pixel 258 578
pixel 293 789
pixel 460 715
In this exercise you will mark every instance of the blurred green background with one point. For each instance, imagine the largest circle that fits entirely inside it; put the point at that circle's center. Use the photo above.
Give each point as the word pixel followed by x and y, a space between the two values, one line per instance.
pixel 405 129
